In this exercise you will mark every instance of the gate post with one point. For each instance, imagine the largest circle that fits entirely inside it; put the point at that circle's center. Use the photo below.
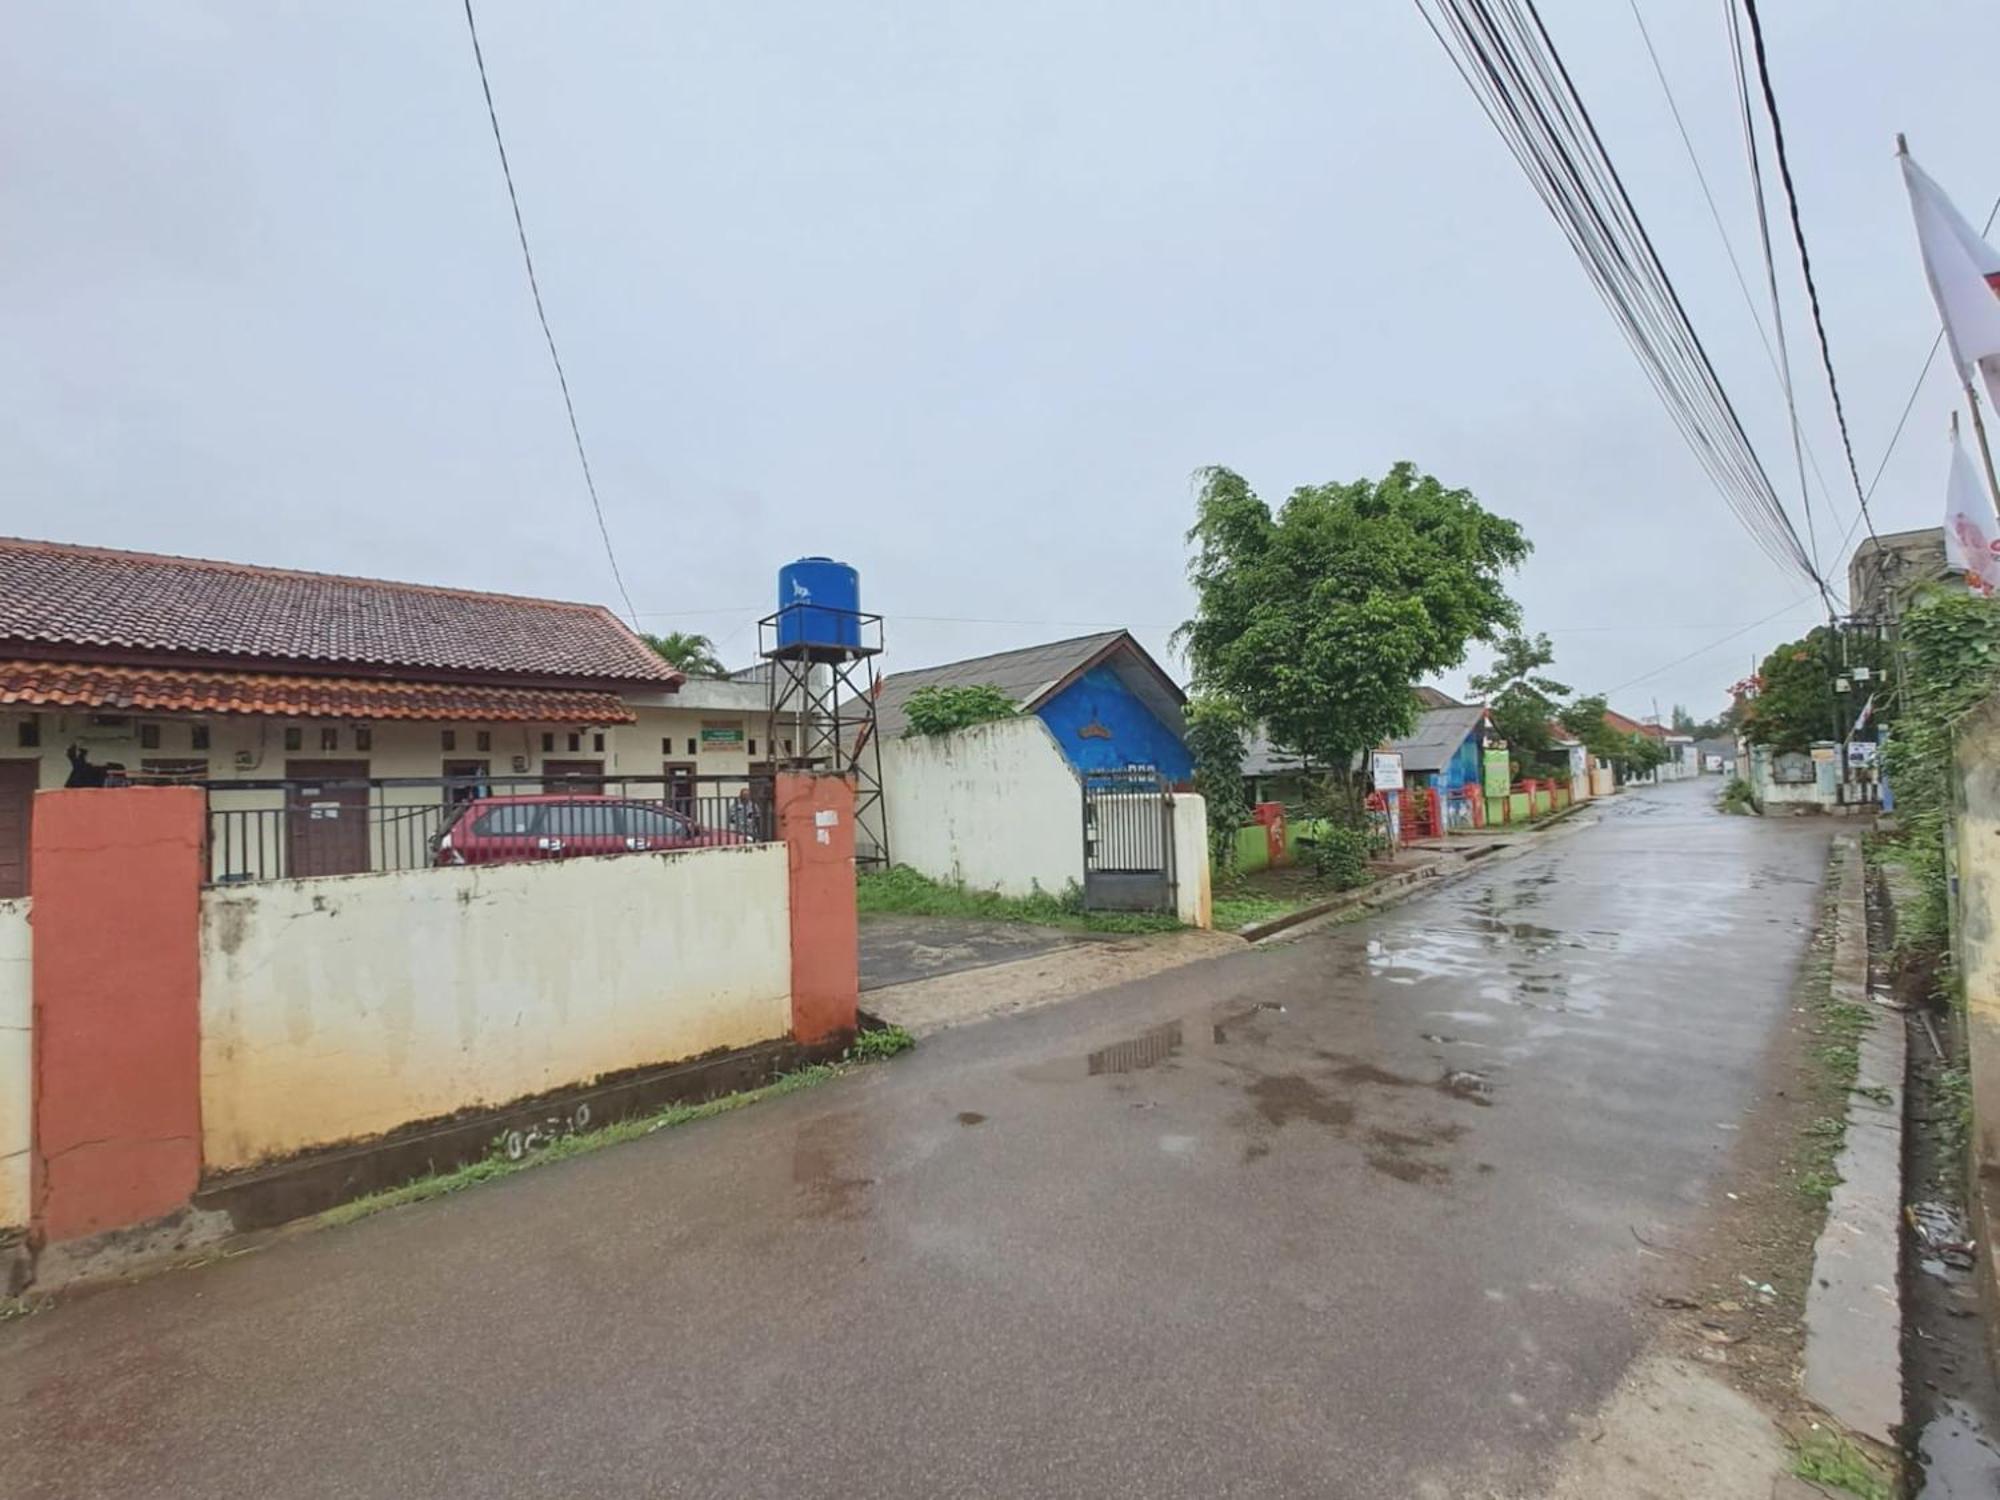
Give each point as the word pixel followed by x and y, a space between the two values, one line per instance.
pixel 115 877
pixel 816 821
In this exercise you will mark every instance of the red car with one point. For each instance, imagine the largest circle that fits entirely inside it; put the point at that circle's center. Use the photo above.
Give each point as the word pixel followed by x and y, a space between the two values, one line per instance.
pixel 503 830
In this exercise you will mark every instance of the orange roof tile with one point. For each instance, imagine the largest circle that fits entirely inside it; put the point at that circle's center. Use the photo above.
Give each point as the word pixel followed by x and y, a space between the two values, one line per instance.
pixel 122 688
pixel 53 593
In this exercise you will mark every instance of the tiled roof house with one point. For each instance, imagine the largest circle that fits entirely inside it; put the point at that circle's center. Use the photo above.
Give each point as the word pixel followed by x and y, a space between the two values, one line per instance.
pixel 175 668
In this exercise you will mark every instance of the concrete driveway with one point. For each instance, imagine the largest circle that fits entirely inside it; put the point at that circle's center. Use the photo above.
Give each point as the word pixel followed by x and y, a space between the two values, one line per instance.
pixel 1349 1216
pixel 901 950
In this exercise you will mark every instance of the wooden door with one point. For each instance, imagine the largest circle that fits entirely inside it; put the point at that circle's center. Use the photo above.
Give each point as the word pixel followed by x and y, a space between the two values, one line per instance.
pixel 583 778
pixel 18 780
pixel 326 826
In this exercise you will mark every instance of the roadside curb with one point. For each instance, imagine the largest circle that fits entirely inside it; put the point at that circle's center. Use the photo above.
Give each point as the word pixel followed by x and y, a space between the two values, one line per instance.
pixel 1386 893
pixel 1854 1313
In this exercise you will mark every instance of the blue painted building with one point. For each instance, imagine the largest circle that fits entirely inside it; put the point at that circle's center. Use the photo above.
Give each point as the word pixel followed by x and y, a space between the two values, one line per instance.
pixel 1105 700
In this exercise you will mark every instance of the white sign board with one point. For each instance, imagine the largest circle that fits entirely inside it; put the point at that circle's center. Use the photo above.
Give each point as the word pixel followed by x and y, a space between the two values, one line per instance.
pixel 1388 769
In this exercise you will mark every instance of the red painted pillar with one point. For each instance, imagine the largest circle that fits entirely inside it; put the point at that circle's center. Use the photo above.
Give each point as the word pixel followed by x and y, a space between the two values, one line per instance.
pixel 116 887
pixel 816 821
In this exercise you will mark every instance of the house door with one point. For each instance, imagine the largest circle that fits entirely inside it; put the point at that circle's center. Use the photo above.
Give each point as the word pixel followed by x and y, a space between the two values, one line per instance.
pixel 18 780
pixel 326 825
pixel 680 787
pixel 581 778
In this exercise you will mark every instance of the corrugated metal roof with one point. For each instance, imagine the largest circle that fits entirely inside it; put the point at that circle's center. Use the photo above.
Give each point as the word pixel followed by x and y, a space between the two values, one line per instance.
pixel 1439 732
pixel 1026 675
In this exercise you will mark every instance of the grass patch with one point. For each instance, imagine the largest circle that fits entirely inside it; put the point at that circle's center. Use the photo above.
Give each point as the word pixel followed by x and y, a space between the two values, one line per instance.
pixel 903 892
pixel 1828 1458
pixel 496 1165
pixel 1837 1027
pixel 1239 911
pixel 884 1041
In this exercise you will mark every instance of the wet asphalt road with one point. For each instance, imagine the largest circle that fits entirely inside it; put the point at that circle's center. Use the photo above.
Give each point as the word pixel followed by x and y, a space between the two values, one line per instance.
pixel 1156 1241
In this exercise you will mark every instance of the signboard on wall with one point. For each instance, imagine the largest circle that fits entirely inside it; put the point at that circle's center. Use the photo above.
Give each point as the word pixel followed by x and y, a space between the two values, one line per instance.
pixel 720 733
pixel 1387 766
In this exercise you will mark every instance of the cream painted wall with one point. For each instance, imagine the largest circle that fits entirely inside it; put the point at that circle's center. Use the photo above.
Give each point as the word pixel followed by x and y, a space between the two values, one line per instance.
pixel 995 806
pixel 1192 893
pixel 17 1063
pixel 343 1007
pixel 1976 829
pixel 253 748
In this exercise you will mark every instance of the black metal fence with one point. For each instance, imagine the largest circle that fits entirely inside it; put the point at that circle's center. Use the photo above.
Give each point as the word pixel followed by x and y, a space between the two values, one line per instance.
pixel 277 830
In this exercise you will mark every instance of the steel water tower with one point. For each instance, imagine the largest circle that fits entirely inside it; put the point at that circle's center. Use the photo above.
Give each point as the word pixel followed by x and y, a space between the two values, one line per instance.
pixel 819 650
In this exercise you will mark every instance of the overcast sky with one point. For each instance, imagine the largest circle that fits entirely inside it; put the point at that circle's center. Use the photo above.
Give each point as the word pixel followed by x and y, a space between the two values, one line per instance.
pixel 959 293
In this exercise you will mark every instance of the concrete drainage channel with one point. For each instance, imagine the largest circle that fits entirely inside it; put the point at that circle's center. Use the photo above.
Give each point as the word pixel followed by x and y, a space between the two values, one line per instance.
pixel 1893 1350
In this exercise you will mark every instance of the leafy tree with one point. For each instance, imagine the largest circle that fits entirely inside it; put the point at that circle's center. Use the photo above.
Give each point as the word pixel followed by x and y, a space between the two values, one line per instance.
pixel 1629 754
pixel 1215 731
pixel 1520 698
pixel 1315 620
pixel 693 654
pixel 940 710
pixel 1682 720
pixel 1796 702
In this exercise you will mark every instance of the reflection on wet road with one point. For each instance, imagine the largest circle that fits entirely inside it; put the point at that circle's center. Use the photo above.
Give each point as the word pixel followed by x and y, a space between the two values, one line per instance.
pixel 1349 1215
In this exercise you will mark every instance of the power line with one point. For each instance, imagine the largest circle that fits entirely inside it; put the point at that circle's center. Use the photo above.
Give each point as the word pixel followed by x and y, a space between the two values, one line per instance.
pixel 1712 645
pixel 535 286
pixel 1805 259
pixel 1771 281
pixel 1722 233
pixel 1503 52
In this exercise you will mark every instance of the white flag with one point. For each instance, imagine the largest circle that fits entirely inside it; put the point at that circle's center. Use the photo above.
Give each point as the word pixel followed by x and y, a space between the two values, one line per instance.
pixel 1964 273
pixel 1971 538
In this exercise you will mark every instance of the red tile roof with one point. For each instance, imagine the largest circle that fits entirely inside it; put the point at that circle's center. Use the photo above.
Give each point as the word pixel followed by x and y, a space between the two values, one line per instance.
pixel 94 597
pixel 146 688
pixel 1624 725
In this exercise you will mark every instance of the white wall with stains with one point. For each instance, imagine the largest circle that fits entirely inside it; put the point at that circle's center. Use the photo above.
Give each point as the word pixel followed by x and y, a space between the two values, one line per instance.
pixel 342 1007
pixel 17 1063
pixel 995 807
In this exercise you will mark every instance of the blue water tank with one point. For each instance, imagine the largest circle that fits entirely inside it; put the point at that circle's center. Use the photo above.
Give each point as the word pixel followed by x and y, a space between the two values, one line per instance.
pixel 819 603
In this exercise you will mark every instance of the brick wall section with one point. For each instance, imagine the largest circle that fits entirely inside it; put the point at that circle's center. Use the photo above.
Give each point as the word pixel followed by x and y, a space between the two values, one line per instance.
pixel 117 1007
pixel 816 821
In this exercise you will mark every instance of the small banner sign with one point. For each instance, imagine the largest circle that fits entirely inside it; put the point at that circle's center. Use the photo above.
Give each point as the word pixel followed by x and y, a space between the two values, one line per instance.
pixel 720 732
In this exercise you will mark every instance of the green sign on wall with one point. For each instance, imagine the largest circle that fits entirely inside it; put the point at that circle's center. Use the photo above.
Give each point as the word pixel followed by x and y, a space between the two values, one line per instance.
pixel 719 734
pixel 1498 773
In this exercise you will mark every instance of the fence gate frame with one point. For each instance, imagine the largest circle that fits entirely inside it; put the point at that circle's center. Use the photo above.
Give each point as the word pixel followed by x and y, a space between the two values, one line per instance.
pixel 1128 840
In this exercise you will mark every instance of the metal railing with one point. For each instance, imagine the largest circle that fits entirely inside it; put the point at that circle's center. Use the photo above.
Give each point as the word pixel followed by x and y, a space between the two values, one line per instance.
pixel 278 830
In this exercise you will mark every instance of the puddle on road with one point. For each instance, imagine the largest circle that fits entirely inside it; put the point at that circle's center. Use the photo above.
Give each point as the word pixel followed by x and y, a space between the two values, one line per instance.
pixel 1148 1049
pixel 1283 1097
pixel 971 1117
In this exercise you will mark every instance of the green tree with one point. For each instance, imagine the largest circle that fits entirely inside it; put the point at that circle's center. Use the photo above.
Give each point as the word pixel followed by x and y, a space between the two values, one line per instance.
pixel 1215 734
pixel 693 654
pixel 940 710
pixel 1682 720
pixel 1520 698
pixel 1628 754
pixel 1796 700
pixel 1315 620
